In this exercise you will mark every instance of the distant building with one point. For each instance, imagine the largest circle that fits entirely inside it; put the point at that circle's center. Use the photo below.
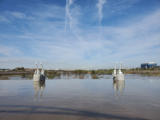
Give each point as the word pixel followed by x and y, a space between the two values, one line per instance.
pixel 148 65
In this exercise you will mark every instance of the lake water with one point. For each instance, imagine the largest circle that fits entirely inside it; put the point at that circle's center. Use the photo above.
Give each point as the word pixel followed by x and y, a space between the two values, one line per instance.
pixel 136 98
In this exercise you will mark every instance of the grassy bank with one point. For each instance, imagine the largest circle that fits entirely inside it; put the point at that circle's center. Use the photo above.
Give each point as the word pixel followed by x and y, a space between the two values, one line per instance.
pixel 51 74
pixel 148 72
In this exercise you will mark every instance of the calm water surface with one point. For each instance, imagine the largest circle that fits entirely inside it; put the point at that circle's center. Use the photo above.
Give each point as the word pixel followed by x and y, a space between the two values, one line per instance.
pixel 137 98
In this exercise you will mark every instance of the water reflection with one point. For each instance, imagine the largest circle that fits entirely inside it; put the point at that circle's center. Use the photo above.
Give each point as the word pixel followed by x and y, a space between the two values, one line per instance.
pixel 73 76
pixel 118 86
pixel 39 87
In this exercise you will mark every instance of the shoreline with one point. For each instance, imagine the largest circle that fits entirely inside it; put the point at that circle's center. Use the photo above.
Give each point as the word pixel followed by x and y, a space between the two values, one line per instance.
pixel 19 71
pixel 81 74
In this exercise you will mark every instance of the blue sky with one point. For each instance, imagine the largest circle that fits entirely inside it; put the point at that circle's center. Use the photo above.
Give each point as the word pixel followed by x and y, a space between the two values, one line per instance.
pixel 85 34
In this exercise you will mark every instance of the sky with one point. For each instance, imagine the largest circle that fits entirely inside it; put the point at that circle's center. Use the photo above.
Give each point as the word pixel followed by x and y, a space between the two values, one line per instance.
pixel 79 34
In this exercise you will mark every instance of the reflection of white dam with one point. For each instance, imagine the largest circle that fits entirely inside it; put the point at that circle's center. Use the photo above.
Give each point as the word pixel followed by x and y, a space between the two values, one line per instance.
pixel 119 85
pixel 38 88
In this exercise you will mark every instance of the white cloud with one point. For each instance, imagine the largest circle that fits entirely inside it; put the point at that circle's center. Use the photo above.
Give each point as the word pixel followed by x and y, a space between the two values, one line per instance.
pixel 12 62
pixel 49 11
pixel 9 51
pixel 18 15
pixel 10 16
pixel 119 6
pixel 100 9
pixel 68 18
pixel 4 19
